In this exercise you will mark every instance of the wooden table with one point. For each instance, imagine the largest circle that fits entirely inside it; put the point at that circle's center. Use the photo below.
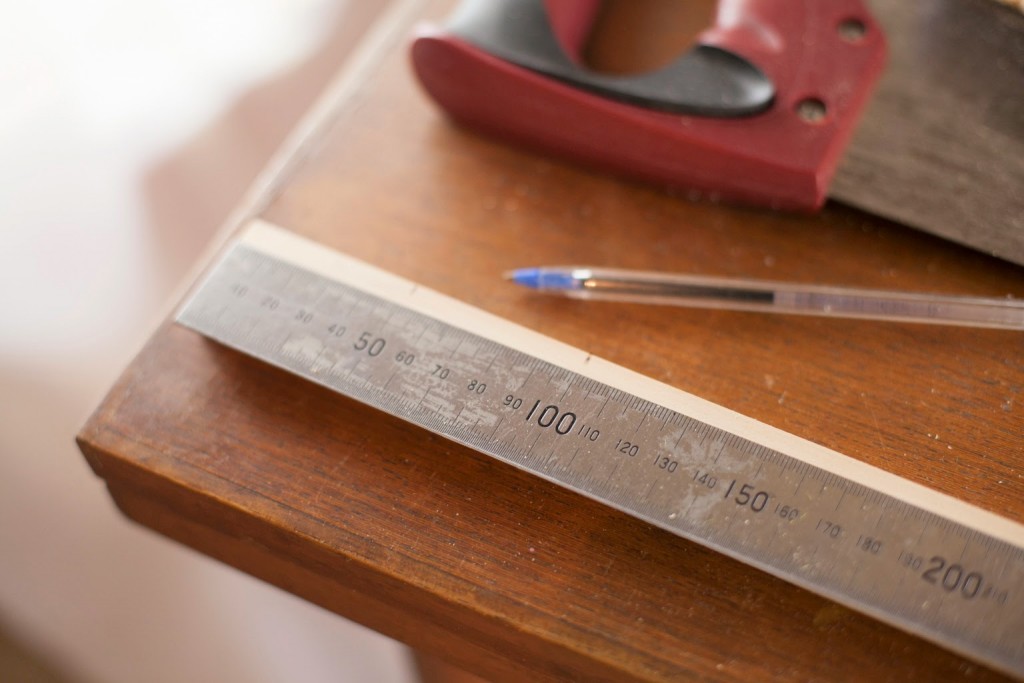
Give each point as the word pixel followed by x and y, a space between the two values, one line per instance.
pixel 485 566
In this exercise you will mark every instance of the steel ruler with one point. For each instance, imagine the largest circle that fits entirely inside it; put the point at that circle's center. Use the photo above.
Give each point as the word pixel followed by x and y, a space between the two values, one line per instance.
pixel 909 556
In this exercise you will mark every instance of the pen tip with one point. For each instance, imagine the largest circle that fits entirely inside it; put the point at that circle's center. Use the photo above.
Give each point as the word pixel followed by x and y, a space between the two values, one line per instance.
pixel 542 278
pixel 527 277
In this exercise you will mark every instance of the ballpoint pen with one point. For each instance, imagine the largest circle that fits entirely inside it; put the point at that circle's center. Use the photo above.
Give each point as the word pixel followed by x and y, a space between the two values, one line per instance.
pixel 776 297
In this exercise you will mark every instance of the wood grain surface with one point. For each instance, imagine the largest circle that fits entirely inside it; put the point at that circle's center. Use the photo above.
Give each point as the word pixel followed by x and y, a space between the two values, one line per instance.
pixel 487 567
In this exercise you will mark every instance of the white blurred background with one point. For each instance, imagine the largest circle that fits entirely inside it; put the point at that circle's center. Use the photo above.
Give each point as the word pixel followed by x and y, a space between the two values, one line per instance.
pixel 128 130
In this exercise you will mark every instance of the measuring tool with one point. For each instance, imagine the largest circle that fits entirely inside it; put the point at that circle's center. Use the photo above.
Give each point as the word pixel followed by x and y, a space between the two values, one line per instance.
pixel 909 556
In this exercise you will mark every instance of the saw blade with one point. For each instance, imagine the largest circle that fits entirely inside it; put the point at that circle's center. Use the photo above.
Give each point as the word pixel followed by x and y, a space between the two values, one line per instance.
pixel 941 145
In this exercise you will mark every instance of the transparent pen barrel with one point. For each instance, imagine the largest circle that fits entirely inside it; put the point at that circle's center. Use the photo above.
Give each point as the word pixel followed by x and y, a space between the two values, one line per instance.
pixel 1008 314
pixel 778 297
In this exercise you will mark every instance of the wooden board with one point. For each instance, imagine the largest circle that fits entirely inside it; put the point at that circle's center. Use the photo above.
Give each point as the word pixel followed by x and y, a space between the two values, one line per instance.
pixel 485 566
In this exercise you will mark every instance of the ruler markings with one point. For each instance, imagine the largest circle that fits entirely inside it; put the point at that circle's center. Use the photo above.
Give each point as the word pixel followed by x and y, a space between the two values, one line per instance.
pixel 734 491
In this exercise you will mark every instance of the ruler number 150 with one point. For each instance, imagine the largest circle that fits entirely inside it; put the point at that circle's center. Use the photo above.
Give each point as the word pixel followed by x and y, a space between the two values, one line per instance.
pixel 746 496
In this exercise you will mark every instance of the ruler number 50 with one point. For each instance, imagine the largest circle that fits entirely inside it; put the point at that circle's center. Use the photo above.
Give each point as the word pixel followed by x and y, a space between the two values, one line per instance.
pixel 373 346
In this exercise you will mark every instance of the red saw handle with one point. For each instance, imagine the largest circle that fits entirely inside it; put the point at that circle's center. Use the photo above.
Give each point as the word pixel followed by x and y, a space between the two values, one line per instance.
pixel 821 56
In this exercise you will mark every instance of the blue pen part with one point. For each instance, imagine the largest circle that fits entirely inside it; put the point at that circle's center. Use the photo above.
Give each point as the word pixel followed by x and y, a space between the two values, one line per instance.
pixel 547 278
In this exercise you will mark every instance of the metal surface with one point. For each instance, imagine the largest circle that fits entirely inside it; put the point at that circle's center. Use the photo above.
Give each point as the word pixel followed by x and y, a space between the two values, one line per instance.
pixel 911 557
pixel 941 145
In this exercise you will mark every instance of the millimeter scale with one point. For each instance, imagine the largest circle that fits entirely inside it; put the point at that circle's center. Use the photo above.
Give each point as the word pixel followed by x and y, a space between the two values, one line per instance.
pixel 909 556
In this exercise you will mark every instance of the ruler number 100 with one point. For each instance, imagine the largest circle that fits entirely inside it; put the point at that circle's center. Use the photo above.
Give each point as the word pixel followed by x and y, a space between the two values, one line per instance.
pixel 551 416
